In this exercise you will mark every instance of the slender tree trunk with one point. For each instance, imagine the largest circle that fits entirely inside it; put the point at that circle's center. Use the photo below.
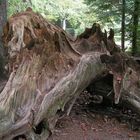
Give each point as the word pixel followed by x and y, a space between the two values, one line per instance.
pixel 64 24
pixel 135 26
pixel 123 25
pixel 3 17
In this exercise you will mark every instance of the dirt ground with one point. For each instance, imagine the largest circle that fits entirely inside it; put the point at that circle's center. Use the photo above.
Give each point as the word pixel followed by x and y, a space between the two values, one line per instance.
pixel 83 127
pixel 86 124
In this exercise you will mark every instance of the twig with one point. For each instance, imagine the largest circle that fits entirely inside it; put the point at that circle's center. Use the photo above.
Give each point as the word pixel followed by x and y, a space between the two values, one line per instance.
pixel 70 107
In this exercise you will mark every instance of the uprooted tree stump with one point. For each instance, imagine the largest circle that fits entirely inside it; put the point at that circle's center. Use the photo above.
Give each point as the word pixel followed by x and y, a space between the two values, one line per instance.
pixel 48 70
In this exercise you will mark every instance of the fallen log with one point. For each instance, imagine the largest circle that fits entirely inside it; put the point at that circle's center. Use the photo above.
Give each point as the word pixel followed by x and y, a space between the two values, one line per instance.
pixel 48 70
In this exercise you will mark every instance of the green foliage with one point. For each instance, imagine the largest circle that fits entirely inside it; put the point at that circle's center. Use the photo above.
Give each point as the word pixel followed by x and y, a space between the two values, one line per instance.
pixel 79 14
pixel 15 6
pixel 109 14
pixel 75 12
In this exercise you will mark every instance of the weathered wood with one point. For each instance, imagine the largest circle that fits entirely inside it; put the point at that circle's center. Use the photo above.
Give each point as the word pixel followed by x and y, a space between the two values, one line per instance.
pixel 48 69
pixel 46 72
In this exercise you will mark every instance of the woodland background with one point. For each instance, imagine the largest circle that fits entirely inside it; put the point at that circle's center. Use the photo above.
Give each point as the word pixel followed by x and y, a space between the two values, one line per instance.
pixel 74 15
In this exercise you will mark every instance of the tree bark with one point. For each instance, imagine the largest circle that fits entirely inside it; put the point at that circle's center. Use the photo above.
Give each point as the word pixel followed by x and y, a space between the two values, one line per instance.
pixel 3 18
pixel 48 69
pixel 3 14
pixel 135 27
pixel 123 25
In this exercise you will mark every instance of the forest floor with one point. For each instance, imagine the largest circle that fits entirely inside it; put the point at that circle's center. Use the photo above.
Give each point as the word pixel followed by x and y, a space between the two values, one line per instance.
pixel 90 121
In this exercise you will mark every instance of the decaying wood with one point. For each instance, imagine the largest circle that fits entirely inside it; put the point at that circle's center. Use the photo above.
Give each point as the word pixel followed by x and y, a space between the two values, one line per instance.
pixel 48 69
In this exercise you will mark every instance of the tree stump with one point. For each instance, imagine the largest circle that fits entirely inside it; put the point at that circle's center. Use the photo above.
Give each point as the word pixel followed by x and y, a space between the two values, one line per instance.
pixel 48 70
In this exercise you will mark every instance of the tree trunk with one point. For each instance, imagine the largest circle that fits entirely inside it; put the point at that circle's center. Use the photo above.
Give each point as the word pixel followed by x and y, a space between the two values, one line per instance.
pixel 64 24
pixel 49 69
pixel 123 25
pixel 135 27
pixel 3 18
pixel 3 14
